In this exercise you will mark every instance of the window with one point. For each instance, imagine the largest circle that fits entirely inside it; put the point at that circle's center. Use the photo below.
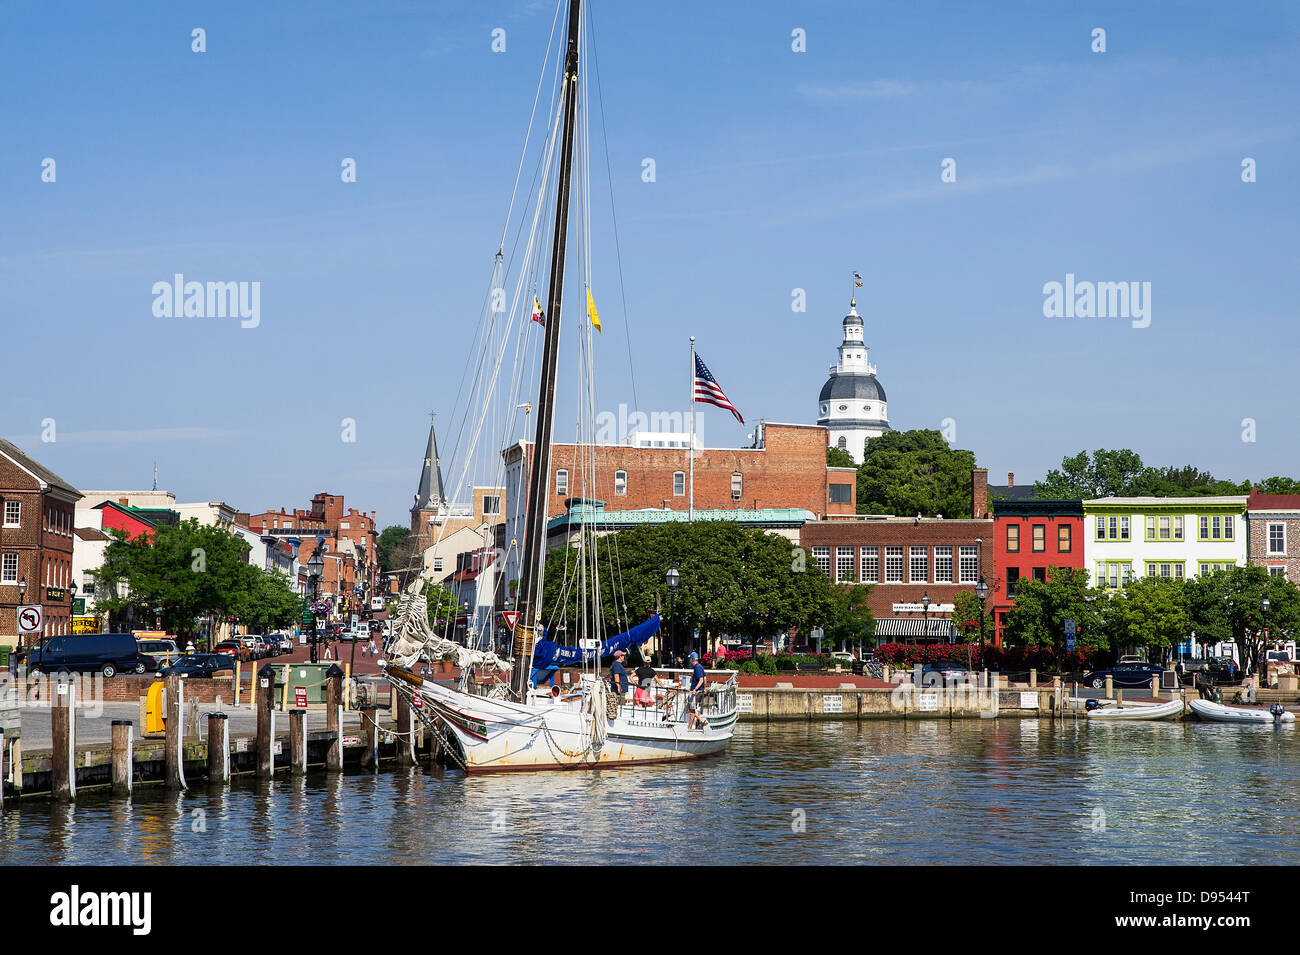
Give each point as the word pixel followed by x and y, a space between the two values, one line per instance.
pixel 737 485
pixel 1114 574
pixel 345 525
pixel 1113 528
pixel 869 565
pixel 679 483
pixel 1064 538
pixel 1276 538
pixel 1013 578
pixel 1214 528
pixel 1165 568
pixel 843 443
pixel 920 567
pixel 491 503
pixel 894 564
pixel 9 568
pixel 822 557
pixel 1039 544
pixel 13 513
pixel 562 481
pixel 841 493
pixel 843 565
pixel 1277 572
pixel 620 482
pixel 1040 574
pixel 1013 538
pixel 969 560
pixel 1214 566
pixel 943 564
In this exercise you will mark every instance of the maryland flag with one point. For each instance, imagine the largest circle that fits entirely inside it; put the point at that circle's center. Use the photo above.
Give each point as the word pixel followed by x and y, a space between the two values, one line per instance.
pixel 857 280
pixel 591 311
pixel 538 315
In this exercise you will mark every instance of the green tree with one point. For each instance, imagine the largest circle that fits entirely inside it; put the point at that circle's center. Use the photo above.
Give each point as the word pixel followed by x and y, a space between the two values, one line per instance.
pixel 914 472
pixel 839 458
pixel 1150 613
pixel 441 604
pixel 1043 606
pixel 264 600
pixel 967 616
pixel 1227 606
pixel 389 546
pixel 851 622
pixel 1103 474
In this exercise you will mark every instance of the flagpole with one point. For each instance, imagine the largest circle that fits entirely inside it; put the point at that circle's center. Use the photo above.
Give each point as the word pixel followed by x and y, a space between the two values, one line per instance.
pixel 690 447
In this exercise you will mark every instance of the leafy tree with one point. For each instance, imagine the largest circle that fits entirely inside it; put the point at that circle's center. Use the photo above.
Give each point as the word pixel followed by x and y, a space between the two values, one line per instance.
pixel 264 600
pixel 1226 606
pixel 1151 612
pixel 1043 606
pixel 910 472
pixel 839 458
pixel 1280 485
pixel 1101 475
pixel 966 617
pixel 388 544
pixel 851 621
pixel 441 604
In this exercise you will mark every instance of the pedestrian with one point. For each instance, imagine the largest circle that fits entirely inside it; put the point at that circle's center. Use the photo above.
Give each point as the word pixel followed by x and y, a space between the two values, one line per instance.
pixel 618 678
pixel 695 700
pixel 372 646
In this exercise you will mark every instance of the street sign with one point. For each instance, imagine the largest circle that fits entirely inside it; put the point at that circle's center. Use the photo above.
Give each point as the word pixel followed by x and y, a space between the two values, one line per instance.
pixel 30 618
pixel 78 604
pixel 320 626
pixel 511 617
pixel 1069 635
pixel 300 696
pixel 85 625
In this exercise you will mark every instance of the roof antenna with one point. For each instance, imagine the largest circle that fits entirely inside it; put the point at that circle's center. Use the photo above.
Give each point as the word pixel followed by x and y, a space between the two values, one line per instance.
pixel 155 475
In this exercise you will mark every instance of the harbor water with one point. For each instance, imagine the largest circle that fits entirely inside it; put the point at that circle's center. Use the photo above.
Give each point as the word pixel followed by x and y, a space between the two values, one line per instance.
pixel 916 792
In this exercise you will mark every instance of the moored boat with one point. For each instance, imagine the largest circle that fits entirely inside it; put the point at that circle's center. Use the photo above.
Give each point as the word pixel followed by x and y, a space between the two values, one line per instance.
pixel 1219 713
pixel 1137 711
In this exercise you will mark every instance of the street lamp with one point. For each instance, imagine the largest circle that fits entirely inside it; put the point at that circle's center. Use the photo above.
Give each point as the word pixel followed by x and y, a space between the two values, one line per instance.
pixel 925 613
pixel 22 596
pixel 982 592
pixel 1263 645
pixel 314 568
pixel 672 578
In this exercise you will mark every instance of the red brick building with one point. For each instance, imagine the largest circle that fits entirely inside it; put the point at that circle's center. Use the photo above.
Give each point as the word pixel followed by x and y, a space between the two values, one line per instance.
pixel 1273 533
pixel 1031 536
pixel 36 531
pixel 349 549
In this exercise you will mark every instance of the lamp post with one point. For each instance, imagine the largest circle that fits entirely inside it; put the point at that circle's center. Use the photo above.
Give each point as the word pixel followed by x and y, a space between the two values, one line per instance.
pixel 925 614
pixel 314 569
pixel 672 578
pixel 22 599
pixel 982 593
pixel 1263 644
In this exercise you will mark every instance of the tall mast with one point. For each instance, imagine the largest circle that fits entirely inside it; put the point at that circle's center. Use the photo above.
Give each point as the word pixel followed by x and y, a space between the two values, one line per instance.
pixel 530 588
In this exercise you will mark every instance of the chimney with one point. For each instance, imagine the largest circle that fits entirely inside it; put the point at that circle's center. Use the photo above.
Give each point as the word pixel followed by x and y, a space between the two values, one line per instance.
pixel 122 501
pixel 979 493
pixel 1011 479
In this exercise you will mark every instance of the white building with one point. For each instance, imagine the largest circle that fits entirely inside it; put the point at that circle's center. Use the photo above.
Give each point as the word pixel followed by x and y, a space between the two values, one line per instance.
pixel 1177 537
pixel 852 402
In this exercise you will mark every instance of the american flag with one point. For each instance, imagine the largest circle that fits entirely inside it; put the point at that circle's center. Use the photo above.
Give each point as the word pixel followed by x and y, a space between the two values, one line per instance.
pixel 708 391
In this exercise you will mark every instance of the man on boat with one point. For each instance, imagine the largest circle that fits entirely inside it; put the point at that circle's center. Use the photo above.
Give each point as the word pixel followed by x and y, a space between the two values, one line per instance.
pixel 618 679
pixel 696 698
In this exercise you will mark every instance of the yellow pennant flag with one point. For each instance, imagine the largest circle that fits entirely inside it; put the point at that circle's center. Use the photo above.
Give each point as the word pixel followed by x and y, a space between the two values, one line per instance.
pixel 592 313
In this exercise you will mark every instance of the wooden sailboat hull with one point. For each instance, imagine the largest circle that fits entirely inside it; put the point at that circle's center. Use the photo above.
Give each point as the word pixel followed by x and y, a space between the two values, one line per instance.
pixel 500 736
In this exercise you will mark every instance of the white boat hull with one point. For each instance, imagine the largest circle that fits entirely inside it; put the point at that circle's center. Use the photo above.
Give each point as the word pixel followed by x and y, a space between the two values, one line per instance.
pixel 1138 711
pixel 1218 713
pixel 546 734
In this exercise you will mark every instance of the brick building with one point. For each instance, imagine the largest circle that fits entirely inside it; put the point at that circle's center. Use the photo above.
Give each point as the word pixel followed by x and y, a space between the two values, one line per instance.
pixel 37 509
pixel 1029 537
pixel 786 468
pixel 348 550
pixel 1273 533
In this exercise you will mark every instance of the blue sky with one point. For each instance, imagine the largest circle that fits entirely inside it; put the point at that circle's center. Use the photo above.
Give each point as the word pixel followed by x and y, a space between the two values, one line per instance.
pixel 775 170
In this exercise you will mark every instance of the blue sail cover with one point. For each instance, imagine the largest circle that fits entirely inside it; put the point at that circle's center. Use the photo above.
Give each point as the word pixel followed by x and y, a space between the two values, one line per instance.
pixel 547 654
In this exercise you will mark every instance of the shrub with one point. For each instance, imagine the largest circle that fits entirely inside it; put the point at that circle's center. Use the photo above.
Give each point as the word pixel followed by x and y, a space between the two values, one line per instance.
pixel 749 666
pixel 769 665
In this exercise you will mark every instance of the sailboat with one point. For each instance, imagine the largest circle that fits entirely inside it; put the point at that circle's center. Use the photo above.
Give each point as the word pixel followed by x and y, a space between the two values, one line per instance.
pixel 525 724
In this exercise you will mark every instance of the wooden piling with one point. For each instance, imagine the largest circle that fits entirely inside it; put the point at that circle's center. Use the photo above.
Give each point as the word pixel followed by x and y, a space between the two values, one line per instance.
pixel 174 723
pixel 63 775
pixel 123 756
pixel 218 748
pixel 264 685
pixel 334 718
pixel 297 741
pixel 2 767
pixel 1155 687
pixel 370 726
pixel 1033 679
pixel 405 725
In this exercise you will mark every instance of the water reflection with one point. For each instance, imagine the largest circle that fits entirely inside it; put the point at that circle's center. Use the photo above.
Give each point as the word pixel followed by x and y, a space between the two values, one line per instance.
pixel 1011 791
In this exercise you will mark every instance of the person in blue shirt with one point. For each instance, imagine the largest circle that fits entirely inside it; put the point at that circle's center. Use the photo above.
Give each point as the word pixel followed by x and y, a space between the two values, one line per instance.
pixel 696 698
pixel 618 678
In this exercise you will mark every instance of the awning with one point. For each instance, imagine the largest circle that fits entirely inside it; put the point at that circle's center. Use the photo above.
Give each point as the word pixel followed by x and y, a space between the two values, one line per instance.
pixel 940 630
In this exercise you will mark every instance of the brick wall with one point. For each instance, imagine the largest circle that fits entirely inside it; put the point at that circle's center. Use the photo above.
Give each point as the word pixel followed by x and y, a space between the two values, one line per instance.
pixel 43 544
pixel 1257 544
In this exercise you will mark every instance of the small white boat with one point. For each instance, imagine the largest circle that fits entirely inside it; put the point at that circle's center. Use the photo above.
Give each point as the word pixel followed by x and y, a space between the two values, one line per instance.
pixel 1138 711
pixel 1218 713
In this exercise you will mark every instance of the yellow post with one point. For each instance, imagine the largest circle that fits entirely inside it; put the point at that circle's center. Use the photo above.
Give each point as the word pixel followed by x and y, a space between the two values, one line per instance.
pixel 347 686
pixel 284 697
pixel 236 703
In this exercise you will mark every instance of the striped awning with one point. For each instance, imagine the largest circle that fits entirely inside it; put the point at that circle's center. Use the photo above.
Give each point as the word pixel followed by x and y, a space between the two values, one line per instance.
pixel 940 630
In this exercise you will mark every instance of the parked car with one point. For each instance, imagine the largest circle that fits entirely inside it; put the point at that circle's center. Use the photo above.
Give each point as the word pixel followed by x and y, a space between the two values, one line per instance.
pixel 201 665
pixel 270 645
pixel 286 642
pixel 164 651
pixel 944 672
pixel 1124 674
pixel 234 649
pixel 108 653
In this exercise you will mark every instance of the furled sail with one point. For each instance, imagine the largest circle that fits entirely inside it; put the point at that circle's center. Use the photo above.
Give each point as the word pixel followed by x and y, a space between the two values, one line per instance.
pixel 549 654
pixel 416 640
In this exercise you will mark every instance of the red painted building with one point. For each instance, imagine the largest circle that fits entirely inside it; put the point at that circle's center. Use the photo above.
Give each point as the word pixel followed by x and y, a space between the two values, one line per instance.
pixel 120 518
pixel 1029 537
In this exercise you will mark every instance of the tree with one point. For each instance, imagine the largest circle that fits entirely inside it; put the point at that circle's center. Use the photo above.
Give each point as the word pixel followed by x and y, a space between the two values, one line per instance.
pixel 839 458
pixel 1151 613
pixel 387 546
pixel 441 604
pixel 1106 473
pixel 914 472
pixel 851 621
pixel 1226 606
pixel 264 599
pixel 1043 606
pixel 966 616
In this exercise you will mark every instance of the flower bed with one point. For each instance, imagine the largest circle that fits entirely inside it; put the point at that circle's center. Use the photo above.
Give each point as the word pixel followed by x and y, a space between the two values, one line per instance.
pixel 994 658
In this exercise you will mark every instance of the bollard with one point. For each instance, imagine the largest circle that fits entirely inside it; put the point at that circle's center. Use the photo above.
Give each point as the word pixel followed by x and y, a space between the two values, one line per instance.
pixel 406 725
pixel 298 742
pixel 237 675
pixel 1110 687
pixel 63 774
pixel 348 702
pixel 218 748
pixel 334 718
pixel 174 722
pixel 264 704
pixel 1057 702
pixel 284 695
pixel 123 756
pixel 1033 679
pixel 1155 687
pixel 1119 697
pixel 370 725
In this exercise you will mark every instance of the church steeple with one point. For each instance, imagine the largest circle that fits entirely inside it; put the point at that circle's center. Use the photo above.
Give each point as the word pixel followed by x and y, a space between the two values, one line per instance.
pixel 431 493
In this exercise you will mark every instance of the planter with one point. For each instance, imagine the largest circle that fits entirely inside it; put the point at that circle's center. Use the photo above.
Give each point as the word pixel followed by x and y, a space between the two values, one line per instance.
pixel 444 666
